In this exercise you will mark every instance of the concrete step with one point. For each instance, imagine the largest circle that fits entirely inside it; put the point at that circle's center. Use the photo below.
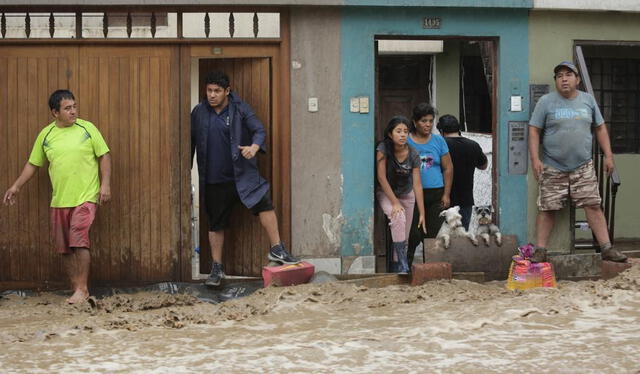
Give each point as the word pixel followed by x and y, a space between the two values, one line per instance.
pixel 577 266
pixel 492 260
pixel 583 266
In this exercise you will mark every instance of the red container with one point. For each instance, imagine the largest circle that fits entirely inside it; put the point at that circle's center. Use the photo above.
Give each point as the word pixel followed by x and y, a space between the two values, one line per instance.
pixel 421 273
pixel 287 275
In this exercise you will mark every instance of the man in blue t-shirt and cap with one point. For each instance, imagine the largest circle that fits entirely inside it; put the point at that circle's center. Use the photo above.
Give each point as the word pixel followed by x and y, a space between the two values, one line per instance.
pixel 565 119
pixel 227 134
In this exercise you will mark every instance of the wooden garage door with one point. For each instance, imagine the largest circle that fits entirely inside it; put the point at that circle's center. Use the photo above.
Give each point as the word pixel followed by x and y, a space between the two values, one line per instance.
pixel 27 76
pixel 130 93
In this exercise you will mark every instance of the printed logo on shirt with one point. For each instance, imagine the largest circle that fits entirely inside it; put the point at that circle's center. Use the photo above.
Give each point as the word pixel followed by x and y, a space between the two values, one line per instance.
pixel 569 113
pixel 426 162
pixel 402 169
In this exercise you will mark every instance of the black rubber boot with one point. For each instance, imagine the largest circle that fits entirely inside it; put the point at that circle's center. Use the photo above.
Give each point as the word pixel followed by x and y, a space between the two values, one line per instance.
pixel 401 250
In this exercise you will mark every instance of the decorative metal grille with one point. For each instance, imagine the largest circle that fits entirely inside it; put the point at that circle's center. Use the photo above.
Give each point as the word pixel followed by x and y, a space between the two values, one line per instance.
pixel 139 25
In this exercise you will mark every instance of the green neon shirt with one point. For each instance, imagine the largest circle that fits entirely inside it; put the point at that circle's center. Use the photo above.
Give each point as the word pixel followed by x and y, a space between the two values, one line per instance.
pixel 72 153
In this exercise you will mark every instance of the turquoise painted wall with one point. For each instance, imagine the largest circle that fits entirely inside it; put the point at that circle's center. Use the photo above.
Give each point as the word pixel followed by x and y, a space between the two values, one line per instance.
pixel 359 27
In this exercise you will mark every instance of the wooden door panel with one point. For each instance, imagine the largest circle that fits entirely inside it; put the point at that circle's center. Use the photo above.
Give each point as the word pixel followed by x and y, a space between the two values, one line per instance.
pixel 130 94
pixel 246 243
pixel 28 75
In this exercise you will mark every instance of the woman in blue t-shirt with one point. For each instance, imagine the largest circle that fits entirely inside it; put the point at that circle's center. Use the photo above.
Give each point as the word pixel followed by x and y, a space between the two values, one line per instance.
pixel 436 173
pixel 397 168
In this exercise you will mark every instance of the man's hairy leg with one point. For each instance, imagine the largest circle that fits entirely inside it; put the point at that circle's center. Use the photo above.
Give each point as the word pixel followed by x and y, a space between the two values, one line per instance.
pixel 269 221
pixel 597 223
pixel 216 240
pixel 544 225
pixel 77 265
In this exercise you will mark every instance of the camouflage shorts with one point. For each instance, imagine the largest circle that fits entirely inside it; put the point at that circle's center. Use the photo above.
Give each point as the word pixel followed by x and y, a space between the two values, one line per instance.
pixel 555 187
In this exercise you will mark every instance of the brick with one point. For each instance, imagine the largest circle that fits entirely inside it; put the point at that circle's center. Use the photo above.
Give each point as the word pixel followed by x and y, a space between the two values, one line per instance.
pixel 610 269
pixel 287 275
pixel 429 271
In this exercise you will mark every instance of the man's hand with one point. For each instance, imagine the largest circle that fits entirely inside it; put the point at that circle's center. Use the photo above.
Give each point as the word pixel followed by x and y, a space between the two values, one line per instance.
pixel 250 151
pixel 105 194
pixel 10 195
pixel 536 168
pixel 609 165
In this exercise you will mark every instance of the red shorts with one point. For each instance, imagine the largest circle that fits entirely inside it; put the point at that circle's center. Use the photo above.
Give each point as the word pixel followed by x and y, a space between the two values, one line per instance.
pixel 70 226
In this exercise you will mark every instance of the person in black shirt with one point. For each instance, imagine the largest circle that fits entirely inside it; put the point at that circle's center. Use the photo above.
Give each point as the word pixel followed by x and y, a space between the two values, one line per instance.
pixel 466 156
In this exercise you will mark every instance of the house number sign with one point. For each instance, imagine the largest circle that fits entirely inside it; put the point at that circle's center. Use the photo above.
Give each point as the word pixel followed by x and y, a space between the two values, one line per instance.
pixel 432 22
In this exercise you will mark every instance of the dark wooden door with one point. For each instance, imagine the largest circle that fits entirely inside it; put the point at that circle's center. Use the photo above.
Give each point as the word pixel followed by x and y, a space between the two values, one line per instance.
pixel 246 242
pixel 402 83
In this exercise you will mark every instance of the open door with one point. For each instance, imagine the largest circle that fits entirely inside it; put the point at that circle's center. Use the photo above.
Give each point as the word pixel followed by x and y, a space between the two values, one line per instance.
pixel 456 75
pixel 255 80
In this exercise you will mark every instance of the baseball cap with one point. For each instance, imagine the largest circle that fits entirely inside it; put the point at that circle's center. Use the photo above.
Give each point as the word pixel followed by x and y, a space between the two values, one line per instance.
pixel 566 64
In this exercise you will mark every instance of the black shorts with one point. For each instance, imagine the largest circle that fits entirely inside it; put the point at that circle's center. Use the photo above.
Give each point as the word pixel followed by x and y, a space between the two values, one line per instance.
pixel 219 200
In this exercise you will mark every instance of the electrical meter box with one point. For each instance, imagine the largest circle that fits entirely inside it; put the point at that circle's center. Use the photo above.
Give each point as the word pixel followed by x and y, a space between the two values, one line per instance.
pixel 518 147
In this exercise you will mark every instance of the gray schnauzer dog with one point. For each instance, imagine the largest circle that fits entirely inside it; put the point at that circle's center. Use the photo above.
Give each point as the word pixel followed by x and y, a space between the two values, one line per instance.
pixel 486 228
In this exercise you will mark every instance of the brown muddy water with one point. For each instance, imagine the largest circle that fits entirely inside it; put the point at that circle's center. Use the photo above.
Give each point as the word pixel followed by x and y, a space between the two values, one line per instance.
pixel 440 327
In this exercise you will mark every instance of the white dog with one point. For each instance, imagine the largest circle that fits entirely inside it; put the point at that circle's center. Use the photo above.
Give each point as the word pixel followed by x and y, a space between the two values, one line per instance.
pixel 452 227
pixel 486 228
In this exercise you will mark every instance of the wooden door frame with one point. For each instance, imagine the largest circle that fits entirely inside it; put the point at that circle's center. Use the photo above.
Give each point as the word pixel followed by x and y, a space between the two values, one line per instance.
pixel 278 52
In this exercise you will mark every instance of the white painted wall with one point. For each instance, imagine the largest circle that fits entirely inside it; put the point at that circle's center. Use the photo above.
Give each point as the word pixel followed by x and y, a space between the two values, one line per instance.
pixel 588 5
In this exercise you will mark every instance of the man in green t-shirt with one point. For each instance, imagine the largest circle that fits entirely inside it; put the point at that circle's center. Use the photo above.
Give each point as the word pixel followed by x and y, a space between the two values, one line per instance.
pixel 76 153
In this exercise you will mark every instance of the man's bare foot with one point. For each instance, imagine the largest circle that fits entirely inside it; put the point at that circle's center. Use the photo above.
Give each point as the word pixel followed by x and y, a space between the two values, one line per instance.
pixel 79 296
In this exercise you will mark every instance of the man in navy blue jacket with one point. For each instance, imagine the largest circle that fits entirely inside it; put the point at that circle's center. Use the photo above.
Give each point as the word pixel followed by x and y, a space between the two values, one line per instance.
pixel 226 135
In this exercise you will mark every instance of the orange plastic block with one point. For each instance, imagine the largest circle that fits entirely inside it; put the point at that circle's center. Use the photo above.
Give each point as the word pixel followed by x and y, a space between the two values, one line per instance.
pixel 287 275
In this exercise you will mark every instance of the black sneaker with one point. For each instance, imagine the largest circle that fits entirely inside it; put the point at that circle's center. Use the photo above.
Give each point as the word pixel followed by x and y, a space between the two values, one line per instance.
pixel 279 254
pixel 540 255
pixel 613 255
pixel 216 276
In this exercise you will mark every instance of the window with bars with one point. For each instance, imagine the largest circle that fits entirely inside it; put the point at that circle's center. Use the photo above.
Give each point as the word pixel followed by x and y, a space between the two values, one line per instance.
pixel 616 86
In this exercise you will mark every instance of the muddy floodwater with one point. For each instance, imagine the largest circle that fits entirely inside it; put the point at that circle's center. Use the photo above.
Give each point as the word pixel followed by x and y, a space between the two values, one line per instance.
pixel 440 327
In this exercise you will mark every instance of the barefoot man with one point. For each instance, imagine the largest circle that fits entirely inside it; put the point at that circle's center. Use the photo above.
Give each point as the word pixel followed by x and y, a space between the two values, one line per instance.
pixel 76 153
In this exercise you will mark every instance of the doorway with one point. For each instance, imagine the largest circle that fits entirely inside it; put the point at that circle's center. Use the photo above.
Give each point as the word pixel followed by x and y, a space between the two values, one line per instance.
pixel 255 80
pixel 457 76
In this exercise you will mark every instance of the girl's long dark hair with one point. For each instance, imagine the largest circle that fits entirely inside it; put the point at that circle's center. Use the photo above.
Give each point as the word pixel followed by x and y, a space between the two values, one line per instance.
pixel 388 142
